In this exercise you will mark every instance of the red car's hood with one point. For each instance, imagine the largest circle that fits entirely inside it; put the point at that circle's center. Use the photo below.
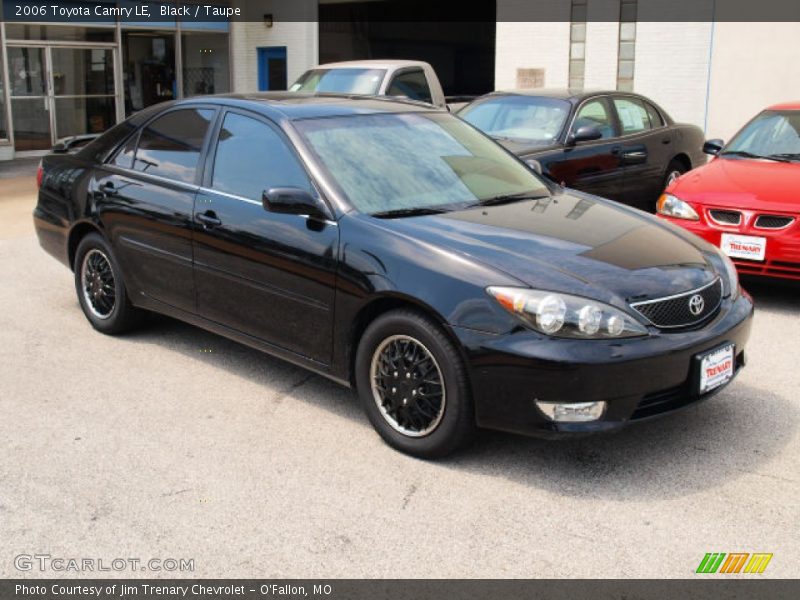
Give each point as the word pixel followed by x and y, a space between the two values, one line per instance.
pixel 743 183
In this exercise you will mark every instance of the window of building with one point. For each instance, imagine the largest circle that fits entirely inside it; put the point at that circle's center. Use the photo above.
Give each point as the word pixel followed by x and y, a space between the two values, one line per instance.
pixel 60 33
pixel 252 157
pixel 632 114
pixel 170 146
pixel 595 114
pixel 411 84
pixel 577 44
pixel 627 44
pixel 3 123
pixel 148 61
pixel 206 68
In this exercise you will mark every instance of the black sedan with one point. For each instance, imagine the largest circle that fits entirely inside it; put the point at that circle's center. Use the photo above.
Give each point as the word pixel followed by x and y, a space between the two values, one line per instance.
pixel 395 249
pixel 616 145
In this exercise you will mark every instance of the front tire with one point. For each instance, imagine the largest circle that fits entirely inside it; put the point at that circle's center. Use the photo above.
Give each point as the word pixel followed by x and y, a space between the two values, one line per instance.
pixel 101 288
pixel 413 385
pixel 675 169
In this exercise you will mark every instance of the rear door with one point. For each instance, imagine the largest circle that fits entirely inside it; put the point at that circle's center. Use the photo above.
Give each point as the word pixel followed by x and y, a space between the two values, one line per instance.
pixel 148 190
pixel 594 166
pixel 645 152
pixel 269 275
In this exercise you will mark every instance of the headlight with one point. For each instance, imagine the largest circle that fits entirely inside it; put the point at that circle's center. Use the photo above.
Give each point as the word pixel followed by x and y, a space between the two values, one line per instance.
pixel 671 206
pixel 732 277
pixel 563 315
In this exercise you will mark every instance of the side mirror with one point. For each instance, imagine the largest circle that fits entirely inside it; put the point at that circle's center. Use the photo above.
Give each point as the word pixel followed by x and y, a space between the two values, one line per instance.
pixel 713 147
pixel 587 133
pixel 293 201
pixel 534 165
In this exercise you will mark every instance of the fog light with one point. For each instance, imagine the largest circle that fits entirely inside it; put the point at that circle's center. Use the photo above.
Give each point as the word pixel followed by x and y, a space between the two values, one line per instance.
pixel 572 413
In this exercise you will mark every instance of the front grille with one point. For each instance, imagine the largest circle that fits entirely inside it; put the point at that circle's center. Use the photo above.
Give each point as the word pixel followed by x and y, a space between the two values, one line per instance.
pixel 726 217
pixel 773 221
pixel 676 311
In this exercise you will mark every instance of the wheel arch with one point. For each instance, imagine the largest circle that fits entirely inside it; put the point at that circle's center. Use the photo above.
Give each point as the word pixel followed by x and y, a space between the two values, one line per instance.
pixel 76 234
pixel 382 304
pixel 683 158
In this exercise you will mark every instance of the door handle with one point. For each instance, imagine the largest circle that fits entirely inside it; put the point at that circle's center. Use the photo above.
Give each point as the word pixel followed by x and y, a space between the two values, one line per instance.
pixel 666 140
pixel 209 219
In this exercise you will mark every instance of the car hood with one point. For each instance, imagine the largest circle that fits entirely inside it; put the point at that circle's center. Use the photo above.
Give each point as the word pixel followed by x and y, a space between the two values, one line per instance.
pixel 743 183
pixel 573 243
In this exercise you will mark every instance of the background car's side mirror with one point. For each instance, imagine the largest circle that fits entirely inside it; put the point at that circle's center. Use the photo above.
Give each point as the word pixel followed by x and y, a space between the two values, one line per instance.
pixel 713 146
pixel 586 133
pixel 535 165
pixel 293 201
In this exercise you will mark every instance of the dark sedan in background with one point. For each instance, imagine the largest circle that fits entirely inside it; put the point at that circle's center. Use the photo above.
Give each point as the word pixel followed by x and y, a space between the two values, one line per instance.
pixel 396 249
pixel 616 145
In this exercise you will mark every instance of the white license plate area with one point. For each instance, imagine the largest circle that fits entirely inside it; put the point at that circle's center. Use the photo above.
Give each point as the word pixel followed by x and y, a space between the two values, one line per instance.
pixel 749 247
pixel 716 368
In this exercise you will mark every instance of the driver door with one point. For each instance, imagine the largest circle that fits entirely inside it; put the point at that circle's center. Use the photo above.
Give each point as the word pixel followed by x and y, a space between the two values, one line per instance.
pixel 271 276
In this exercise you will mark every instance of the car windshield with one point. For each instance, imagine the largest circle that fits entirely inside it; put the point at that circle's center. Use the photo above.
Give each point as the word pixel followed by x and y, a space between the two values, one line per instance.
pixel 773 133
pixel 525 118
pixel 397 162
pixel 341 81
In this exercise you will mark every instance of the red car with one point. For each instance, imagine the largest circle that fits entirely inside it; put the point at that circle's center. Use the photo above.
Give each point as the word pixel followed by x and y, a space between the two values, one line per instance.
pixel 746 200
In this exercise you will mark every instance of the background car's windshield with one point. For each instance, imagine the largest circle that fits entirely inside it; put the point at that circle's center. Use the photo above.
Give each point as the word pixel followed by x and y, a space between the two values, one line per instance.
pixel 390 162
pixel 346 81
pixel 534 119
pixel 771 132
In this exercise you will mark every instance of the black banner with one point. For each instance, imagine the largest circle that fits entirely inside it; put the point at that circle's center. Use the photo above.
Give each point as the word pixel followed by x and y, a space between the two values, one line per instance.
pixel 397 589
pixel 271 11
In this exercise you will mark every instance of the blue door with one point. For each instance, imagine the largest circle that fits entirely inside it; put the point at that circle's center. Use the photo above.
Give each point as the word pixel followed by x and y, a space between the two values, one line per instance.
pixel 272 68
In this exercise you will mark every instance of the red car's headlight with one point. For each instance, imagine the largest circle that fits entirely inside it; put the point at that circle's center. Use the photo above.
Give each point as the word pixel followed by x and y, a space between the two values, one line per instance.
pixel 672 206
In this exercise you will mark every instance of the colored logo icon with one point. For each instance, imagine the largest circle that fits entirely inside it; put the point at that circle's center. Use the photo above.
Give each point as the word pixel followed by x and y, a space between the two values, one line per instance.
pixel 734 562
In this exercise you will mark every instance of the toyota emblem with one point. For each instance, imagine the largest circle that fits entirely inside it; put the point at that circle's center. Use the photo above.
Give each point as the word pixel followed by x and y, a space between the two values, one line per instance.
pixel 696 304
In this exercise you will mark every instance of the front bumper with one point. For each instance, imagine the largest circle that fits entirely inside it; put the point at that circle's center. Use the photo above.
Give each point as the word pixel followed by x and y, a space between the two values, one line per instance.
pixel 638 378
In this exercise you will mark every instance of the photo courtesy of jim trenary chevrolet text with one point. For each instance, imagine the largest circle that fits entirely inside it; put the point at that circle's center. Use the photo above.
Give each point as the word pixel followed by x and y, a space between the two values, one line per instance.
pixel 343 299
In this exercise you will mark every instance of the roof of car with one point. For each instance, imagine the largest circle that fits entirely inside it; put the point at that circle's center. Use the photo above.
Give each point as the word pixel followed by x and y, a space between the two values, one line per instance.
pixel 561 93
pixel 385 63
pixel 300 105
pixel 785 106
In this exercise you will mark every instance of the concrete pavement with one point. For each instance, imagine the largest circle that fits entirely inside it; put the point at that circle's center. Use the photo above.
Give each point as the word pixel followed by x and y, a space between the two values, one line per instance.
pixel 175 443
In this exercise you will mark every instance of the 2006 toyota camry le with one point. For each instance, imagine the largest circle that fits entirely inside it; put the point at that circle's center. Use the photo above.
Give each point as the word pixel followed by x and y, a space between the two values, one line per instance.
pixel 395 249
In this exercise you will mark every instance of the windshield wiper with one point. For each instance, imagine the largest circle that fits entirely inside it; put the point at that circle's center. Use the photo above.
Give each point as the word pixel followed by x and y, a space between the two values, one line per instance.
pixel 789 156
pixel 414 211
pixel 745 154
pixel 509 198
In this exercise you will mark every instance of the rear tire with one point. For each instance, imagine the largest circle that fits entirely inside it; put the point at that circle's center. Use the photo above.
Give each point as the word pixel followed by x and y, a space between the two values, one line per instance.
pixel 413 385
pixel 101 288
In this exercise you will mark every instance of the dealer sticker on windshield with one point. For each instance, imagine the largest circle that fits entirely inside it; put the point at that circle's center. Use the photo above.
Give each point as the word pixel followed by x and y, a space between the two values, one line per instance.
pixel 744 246
pixel 716 368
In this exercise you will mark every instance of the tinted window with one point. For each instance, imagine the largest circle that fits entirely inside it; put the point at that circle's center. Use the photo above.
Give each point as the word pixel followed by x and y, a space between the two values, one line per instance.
pixel 411 84
pixel 533 119
pixel 252 157
pixel 124 157
pixel 170 146
pixel 655 116
pixel 632 115
pixel 595 114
